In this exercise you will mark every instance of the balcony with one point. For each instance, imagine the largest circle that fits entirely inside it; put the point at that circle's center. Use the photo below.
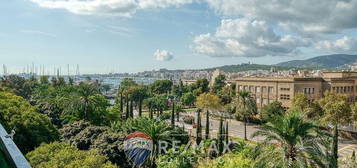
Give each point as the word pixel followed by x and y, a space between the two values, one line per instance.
pixel 10 155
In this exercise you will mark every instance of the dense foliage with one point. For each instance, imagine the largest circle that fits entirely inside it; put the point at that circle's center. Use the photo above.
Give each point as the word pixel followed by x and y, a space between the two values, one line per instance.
pixel 31 128
pixel 61 155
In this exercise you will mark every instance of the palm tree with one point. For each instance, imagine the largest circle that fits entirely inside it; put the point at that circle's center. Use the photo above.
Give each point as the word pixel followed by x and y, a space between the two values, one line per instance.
pixel 157 130
pixel 297 142
pixel 245 107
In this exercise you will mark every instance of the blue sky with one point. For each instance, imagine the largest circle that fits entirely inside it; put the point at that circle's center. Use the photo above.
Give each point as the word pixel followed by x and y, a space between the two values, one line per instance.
pixel 179 34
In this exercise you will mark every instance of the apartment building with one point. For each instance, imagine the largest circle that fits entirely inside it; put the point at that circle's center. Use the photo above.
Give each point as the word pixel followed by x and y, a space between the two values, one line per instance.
pixel 283 89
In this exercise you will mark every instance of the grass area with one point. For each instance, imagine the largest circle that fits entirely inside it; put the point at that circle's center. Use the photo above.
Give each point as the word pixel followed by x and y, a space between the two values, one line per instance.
pixel 241 139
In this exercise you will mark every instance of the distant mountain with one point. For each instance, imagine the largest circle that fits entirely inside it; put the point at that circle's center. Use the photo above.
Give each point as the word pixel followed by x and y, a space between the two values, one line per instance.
pixel 325 61
pixel 246 67
pixel 336 61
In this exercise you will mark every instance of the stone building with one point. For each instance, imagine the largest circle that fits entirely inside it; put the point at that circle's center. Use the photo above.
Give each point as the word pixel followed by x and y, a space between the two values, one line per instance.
pixel 267 90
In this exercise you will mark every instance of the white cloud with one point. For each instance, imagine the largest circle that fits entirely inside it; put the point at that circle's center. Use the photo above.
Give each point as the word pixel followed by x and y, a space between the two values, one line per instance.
pixel 342 45
pixel 100 7
pixel 162 3
pixel 246 38
pixel 163 55
pixel 324 16
pixel 125 8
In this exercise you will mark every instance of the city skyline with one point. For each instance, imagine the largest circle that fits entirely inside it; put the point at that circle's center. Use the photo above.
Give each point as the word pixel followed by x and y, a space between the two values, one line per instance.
pixel 137 35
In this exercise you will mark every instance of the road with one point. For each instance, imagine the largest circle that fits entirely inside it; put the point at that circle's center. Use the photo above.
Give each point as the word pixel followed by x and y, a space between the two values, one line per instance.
pixel 236 129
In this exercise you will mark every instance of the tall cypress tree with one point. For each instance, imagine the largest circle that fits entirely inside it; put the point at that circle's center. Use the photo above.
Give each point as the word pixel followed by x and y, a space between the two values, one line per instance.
pixel 220 136
pixel 207 125
pixel 173 114
pixel 198 128
pixel 127 112
pixel 131 109
pixel 226 133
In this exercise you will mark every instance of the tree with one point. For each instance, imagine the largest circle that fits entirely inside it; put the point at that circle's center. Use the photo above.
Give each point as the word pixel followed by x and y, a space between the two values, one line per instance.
pixel 68 131
pixel 31 128
pixel 245 107
pixel 44 80
pixel 150 103
pixel 311 108
pixel 61 81
pixel 139 94
pixel 336 110
pixel 208 101
pixel 106 88
pixel 188 99
pixel 227 94
pixel 157 130
pixel 20 85
pixel 61 155
pixel 219 83
pixel 87 103
pixel 202 85
pixel 86 137
pixel 178 109
pixel 272 110
pixel 198 128
pixel 125 84
pixel 220 136
pixel 161 86
pixel 297 140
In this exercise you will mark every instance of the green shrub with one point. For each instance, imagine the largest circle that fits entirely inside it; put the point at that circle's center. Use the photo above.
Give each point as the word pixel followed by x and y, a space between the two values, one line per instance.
pixel 188 119
pixel 61 155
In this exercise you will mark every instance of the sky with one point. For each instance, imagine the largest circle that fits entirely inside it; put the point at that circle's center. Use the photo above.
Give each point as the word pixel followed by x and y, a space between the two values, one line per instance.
pixel 104 36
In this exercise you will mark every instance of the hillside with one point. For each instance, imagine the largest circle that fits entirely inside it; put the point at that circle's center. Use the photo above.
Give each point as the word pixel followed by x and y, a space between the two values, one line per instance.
pixel 245 67
pixel 325 61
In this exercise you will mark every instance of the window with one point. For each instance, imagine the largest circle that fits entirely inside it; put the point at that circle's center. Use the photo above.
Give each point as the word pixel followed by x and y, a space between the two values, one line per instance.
pixel 270 89
pixel 257 88
pixel 265 101
pixel 246 88
pixel 251 88
pixel 258 100
pixel 309 90
pixel 285 89
pixel 284 97
pixel 264 89
pixel 240 87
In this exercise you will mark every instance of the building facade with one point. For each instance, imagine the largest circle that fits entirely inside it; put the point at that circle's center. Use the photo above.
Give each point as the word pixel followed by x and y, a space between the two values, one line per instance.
pixel 267 90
